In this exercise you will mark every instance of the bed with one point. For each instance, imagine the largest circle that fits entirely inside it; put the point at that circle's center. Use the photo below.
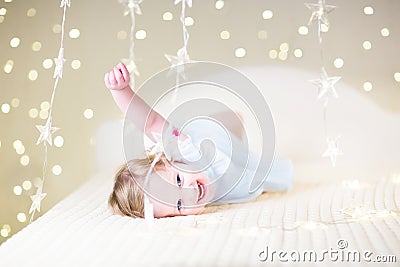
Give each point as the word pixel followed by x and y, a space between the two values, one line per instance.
pixel 81 231
pixel 338 217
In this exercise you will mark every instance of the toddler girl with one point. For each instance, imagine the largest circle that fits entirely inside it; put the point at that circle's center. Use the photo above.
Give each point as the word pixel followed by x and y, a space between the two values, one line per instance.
pixel 178 183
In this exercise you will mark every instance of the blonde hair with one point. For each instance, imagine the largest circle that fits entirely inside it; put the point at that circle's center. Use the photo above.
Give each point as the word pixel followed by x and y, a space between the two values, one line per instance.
pixel 127 197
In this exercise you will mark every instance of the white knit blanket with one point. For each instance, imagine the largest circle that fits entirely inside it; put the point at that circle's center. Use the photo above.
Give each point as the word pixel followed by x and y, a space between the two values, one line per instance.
pixel 81 231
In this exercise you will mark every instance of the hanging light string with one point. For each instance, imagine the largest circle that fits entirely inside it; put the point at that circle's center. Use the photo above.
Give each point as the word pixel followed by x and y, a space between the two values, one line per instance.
pixel 132 8
pixel 325 83
pixel 177 62
pixel 47 130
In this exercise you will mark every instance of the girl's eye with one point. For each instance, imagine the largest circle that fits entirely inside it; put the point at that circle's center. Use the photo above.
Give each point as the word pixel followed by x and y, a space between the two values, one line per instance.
pixel 179 204
pixel 178 180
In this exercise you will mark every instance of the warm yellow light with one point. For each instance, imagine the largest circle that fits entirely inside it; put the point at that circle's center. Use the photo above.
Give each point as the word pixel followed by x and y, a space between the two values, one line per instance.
pixel 273 54
pixel 45 105
pixel 27 185
pixel 57 28
pixel 15 102
pixel 303 30
pixel 20 150
pixel 21 217
pixel 367 45
pixel 225 35
pixel 7 227
pixel 298 53
pixel 43 114
pixel 385 32
pixel 3 232
pixel 189 21
pixel 3 11
pixel 397 76
pixel 284 47
pixel 31 12
pixel 267 14
pixel 57 170
pixel 367 86
pixel 33 75
pixel 17 190
pixel 36 46
pixel 15 42
pixel 24 160
pixel 8 66
pixel 5 108
pixel 88 113
pixel 368 10
pixel 121 35
pixel 338 63
pixel 283 55
pixel 74 33
pixel 17 144
pixel 59 141
pixel 33 113
pixel 240 52
pixel 262 35
pixel 75 64
pixel 47 63
pixel 219 4
pixel 141 34
pixel 167 16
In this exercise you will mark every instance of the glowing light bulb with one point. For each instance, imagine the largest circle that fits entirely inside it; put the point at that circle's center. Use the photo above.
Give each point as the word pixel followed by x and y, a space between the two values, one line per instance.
pixel 240 52
pixel 167 16
pixel 267 14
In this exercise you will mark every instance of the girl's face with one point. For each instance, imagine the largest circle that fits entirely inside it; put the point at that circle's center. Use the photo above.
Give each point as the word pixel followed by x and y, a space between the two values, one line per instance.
pixel 175 191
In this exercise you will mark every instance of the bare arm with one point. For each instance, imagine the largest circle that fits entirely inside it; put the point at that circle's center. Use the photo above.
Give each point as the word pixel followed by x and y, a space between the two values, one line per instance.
pixel 117 80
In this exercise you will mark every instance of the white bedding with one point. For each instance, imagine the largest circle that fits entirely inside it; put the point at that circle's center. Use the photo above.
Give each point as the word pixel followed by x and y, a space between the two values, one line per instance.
pixel 81 231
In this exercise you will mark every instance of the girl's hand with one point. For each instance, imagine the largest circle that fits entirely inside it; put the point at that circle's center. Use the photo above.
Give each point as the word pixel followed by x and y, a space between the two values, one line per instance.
pixel 118 78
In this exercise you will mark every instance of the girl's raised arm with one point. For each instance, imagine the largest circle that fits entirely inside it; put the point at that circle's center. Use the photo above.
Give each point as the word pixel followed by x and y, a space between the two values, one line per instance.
pixel 117 80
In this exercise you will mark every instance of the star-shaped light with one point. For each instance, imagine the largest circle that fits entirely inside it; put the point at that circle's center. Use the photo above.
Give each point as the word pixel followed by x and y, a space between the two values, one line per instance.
pixel 333 151
pixel 46 131
pixel 60 60
pixel 131 66
pixel 133 5
pixel 37 199
pixel 65 3
pixel 188 2
pixel 179 61
pixel 319 13
pixel 325 84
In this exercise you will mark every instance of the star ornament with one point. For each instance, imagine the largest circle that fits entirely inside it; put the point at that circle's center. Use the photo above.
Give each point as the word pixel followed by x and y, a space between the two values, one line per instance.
pixel 59 61
pixel 65 3
pixel 333 151
pixel 131 66
pixel 326 84
pixel 319 12
pixel 133 5
pixel 37 199
pixel 184 2
pixel 179 61
pixel 46 132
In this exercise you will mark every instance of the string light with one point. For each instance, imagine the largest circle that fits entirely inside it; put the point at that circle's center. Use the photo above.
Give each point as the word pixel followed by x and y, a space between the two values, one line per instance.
pixel 219 4
pixel 267 14
pixel 167 16
pixel 14 42
pixel 225 35
pixel 31 12
pixel 240 52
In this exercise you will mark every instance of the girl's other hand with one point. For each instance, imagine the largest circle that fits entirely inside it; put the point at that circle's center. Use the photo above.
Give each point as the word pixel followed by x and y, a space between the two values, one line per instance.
pixel 118 78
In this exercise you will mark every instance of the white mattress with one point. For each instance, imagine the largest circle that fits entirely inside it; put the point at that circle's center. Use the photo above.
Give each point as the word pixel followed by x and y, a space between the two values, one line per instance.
pixel 81 231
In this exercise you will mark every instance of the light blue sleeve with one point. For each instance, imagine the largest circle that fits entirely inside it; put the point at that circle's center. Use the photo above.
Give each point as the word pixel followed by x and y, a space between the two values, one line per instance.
pixel 280 177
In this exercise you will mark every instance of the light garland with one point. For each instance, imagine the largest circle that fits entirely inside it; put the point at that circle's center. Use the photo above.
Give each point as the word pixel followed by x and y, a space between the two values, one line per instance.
pixel 132 8
pixel 47 130
pixel 325 83
pixel 182 57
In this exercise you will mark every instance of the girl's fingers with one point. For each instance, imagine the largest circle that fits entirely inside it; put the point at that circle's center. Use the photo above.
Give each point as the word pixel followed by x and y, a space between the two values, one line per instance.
pixel 124 71
pixel 118 75
pixel 111 78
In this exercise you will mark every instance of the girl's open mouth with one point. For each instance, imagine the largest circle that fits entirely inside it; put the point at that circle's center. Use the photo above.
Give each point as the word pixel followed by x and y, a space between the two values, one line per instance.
pixel 202 191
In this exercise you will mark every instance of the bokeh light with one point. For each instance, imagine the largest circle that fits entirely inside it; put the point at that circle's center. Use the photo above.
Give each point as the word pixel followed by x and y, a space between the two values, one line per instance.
pixel 57 170
pixel 240 52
